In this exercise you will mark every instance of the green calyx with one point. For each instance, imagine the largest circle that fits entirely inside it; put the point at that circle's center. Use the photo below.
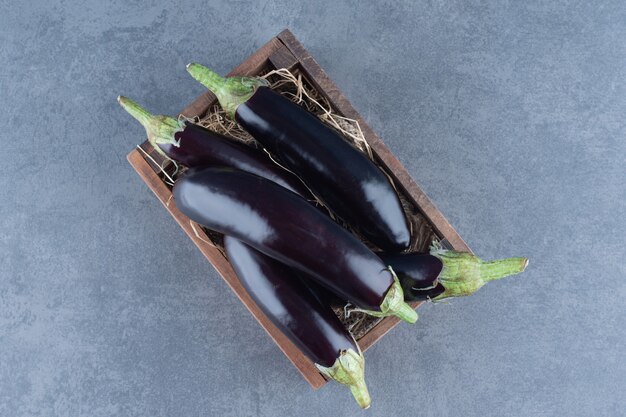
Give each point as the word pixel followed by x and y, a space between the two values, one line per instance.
pixel 464 273
pixel 393 304
pixel 230 91
pixel 160 129
pixel 349 369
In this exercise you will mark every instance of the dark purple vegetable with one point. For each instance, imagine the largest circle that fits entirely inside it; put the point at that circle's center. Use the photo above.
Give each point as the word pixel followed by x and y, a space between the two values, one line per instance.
pixel 348 182
pixel 193 145
pixel 446 273
pixel 284 226
pixel 323 294
pixel 417 270
pixel 297 311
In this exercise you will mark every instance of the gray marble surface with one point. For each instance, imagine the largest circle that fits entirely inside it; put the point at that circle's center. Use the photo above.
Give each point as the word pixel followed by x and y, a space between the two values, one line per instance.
pixel 510 115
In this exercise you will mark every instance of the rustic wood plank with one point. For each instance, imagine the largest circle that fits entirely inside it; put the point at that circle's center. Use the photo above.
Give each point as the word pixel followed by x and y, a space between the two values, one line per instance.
pixel 283 58
pixel 223 267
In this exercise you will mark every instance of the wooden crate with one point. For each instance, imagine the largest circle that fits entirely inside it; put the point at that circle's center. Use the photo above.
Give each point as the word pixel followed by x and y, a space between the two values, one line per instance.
pixel 285 51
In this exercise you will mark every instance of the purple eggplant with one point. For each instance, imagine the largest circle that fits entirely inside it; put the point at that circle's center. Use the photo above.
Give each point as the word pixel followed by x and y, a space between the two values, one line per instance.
pixel 421 269
pixel 286 227
pixel 297 311
pixel 417 273
pixel 446 273
pixel 193 145
pixel 345 179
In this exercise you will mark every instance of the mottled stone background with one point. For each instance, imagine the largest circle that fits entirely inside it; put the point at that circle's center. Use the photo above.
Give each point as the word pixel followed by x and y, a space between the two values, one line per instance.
pixel 511 116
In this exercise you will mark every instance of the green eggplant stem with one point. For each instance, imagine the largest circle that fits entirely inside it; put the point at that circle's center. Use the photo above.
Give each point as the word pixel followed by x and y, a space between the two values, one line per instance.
pixel 464 273
pixel 159 129
pixel 349 369
pixel 393 304
pixel 230 91
pixel 493 270
pixel 142 115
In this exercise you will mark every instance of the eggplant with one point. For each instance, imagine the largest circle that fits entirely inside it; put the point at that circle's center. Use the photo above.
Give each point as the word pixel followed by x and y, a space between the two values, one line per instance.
pixel 444 273
pixel 284 226
pixel 193 146
pixel 420 270
pixel 298 312
pixel 345 179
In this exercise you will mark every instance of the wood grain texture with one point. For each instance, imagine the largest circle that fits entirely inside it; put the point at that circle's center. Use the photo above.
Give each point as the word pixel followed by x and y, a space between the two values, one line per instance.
pixel 283 58
pixel 285 51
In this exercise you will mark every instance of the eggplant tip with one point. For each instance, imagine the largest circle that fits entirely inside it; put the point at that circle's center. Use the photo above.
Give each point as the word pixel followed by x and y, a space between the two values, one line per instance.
pixel 525 264
pixel 119 99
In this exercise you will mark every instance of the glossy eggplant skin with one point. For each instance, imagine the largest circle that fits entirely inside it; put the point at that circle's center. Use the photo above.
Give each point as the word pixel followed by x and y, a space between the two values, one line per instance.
pixel 201 147
pixel 322 294
pixel 421 268
pixel 286 227
pixel 289 304
pixel 417 273
pixel 344 178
